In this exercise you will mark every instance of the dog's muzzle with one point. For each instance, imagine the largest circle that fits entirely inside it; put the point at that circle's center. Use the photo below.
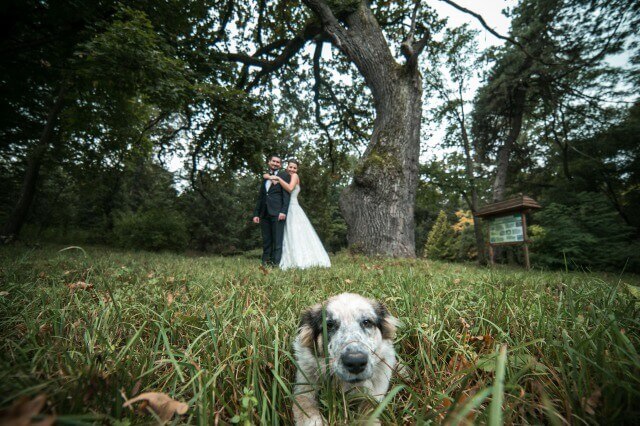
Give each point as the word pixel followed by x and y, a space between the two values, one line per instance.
pixel 355 362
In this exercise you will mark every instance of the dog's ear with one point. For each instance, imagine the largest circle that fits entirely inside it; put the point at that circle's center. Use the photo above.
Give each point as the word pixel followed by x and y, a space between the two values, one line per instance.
pixel 386 322
pixel 310 321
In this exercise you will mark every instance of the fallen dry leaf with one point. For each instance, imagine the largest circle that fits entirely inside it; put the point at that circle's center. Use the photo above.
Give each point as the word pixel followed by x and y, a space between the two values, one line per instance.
pixel 171 280
pixel 79 285
pixel 590 404
pixel 162 404
pixel 45 329
pixel 456 281
pixel 169 299
pixel 4 293
pixel 23 410
pixel 464 323
pixel 485 340
pixel 264 270
pixel 136 388
pixel 458 362
pixel 348 281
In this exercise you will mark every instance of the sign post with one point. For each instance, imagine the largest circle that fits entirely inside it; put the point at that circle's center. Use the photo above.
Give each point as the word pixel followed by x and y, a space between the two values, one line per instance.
pixel 508 224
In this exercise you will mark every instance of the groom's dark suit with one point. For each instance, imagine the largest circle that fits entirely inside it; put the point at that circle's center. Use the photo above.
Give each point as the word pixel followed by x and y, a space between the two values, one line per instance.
pixel 270 204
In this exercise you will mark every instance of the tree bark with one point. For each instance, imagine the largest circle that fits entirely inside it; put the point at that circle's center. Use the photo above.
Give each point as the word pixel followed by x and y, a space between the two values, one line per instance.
pixel 504 152
pixel 477 224
pixel 378 206
pixel 18 216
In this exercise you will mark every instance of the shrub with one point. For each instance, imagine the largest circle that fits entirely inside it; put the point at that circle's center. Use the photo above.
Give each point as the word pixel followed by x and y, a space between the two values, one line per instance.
pixel 152 229
pixel 588 233
pixel 464 243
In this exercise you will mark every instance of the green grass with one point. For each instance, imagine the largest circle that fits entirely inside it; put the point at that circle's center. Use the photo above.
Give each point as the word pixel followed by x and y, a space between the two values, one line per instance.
pixel 216 333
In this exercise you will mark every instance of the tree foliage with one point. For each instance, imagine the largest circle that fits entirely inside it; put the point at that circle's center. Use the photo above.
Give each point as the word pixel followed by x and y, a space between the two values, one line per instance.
pixel 585 233
pixel 439 241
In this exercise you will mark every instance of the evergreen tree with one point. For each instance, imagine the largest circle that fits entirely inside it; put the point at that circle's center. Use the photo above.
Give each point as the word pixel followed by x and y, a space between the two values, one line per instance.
pixel 438 244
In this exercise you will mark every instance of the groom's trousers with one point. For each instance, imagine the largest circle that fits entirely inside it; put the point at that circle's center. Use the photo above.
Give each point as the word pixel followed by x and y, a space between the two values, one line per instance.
pixel 272 235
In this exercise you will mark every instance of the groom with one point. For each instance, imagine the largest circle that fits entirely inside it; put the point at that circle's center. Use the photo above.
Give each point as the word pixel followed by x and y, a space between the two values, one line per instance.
pixel 271 212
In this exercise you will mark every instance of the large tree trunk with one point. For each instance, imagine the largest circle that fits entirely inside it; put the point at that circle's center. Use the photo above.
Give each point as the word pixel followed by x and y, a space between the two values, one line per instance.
pixel 16 220
pixel 378 206
pixel 504 152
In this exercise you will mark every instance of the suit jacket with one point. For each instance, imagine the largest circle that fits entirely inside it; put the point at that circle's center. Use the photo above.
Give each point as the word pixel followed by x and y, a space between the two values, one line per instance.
pixel 274 201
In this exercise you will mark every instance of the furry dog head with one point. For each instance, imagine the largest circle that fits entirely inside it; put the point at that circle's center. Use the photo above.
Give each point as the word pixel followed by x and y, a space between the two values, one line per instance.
pixel 359 334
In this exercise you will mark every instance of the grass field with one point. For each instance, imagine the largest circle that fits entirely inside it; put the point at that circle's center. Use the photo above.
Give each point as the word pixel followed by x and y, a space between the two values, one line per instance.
pixel 216 333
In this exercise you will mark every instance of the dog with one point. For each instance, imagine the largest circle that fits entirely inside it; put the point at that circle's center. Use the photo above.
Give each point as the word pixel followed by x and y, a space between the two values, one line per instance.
pixel 360 335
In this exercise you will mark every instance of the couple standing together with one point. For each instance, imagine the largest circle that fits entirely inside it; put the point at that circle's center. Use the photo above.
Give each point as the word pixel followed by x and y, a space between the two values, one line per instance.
pixel 288 238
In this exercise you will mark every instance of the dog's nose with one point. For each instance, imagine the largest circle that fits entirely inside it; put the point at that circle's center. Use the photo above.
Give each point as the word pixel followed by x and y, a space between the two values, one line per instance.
pixel 354 362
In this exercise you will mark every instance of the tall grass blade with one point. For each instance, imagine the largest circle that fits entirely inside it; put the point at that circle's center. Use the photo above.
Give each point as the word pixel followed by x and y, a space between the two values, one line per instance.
pixel 495 409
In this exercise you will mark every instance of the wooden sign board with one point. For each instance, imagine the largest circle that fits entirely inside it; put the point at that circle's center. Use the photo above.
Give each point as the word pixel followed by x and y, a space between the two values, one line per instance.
pixel 508 223
pixel 506 229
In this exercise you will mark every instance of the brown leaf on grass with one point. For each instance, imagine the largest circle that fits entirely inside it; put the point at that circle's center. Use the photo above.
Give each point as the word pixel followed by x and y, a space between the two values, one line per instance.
pixel 264 270
pixel 4 293
pixel 162 404
pixel 81 285
pixel 456 281
pixel 171 280
pixel 42 275
pixel 458 362
pixel 23 410
pixel 464 323
pixel 378 267
pixel 348 281
pixel 169 299
pixel 136 388
pixel 45 329
pixel 590 404
pixel 485 341
pixel 150 275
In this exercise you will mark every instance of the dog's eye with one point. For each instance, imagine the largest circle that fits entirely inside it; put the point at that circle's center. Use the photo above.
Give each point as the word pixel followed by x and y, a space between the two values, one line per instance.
pixel 331 325
pixel 367 323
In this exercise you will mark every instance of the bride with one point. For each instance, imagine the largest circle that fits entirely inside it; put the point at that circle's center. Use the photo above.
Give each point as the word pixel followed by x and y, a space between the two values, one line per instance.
pixel 301 247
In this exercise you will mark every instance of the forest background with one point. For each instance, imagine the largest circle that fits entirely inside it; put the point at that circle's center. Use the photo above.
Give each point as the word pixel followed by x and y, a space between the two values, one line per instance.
pixel 102 99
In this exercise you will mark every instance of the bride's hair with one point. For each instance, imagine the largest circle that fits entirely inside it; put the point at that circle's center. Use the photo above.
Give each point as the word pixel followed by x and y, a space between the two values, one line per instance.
pixel 294 161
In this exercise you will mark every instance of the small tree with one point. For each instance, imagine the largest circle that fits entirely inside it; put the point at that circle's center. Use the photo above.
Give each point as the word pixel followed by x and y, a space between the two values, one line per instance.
pixel 438 244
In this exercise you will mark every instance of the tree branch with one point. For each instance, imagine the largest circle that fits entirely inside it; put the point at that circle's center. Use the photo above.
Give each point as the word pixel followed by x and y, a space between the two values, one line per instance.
pixel 224 20
pixel 316 99
pixel 289 48
pixel 329 21
pixel 406 47
pixel 410 48
pixel 484 24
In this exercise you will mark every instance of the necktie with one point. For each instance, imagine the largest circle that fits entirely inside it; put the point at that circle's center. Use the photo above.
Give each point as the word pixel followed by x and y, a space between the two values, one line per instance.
pixel 269 183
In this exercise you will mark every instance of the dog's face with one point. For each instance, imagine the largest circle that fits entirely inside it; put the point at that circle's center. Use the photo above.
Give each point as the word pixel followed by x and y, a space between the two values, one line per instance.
pixel 356 327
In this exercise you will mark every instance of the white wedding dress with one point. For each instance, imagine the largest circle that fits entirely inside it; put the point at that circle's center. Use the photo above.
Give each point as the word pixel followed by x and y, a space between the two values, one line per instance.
pixel 301 247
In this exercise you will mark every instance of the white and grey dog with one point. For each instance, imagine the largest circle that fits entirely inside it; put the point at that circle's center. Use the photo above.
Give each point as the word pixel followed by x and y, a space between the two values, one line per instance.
pixel 360 336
